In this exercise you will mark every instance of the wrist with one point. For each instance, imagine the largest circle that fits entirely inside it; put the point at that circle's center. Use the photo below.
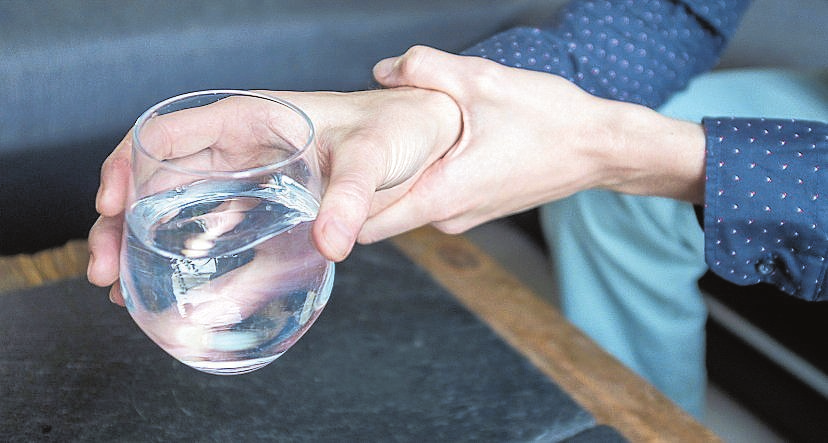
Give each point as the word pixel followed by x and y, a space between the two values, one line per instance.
pixel 647 153
pixel 448 119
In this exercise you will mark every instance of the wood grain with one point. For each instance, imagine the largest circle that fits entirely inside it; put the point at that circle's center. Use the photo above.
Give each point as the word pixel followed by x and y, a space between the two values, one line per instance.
pixel 613 394
pixel 28 270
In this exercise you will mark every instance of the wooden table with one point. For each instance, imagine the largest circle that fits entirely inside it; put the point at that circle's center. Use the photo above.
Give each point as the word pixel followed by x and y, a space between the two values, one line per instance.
pixel 611 392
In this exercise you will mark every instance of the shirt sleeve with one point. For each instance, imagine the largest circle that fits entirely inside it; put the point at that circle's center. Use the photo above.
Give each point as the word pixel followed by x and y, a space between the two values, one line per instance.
pixel 765 219
pixel 635 51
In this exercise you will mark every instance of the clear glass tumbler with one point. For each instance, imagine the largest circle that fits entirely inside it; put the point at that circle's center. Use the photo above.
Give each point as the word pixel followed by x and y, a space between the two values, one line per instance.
pixel 217 265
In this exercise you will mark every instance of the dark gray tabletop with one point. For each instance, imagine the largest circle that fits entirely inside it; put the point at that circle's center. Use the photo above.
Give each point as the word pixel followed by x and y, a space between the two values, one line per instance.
pixel 392 358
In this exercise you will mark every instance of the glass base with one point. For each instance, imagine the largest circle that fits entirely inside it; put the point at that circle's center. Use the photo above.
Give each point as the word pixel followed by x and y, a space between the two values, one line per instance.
pixel 231 367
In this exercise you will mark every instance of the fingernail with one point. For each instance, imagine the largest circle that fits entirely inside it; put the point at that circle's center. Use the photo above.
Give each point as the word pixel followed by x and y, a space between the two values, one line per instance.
pixel 339 238
pixel 384 67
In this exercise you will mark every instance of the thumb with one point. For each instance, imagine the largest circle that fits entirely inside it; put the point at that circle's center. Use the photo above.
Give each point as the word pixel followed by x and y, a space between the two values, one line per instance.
pixel 423 67
pixel 346 203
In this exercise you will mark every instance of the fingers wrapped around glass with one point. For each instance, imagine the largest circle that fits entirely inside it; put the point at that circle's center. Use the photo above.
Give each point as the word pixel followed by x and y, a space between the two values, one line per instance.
pixel 218 266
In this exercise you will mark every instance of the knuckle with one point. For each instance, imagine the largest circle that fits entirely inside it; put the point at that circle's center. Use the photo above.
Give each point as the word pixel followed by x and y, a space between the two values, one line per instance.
pixel 120 156
pixel 488 79
pixel 413 59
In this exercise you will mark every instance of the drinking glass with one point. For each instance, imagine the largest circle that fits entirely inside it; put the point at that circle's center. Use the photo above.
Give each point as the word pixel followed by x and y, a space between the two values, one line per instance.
pixel 218 266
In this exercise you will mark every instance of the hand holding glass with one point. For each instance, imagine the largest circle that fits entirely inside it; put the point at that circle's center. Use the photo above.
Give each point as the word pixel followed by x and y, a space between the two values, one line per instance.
pixel 218 266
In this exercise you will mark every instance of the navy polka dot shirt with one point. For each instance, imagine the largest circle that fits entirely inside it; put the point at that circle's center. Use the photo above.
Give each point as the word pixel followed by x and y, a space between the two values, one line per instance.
pixel 763 216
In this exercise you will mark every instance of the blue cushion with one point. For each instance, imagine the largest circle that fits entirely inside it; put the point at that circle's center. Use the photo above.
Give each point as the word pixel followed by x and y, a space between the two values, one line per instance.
pixel 71 69
pixel 74 75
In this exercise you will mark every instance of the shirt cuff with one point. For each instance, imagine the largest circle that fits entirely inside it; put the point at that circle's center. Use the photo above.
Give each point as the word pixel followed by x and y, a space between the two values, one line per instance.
pixel 764 218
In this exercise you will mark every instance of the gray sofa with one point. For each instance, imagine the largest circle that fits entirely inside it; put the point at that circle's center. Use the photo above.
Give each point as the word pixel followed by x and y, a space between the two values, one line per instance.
pixel 75 74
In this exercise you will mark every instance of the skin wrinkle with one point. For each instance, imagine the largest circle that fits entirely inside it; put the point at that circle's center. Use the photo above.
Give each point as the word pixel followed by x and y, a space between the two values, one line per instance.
pixel 550 173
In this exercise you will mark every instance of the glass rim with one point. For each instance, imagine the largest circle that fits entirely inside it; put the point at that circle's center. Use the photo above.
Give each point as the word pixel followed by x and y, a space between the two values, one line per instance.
pixel 242 173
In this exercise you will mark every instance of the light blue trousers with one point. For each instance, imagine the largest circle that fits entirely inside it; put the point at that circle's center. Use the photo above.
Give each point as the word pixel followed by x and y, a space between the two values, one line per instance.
pixel 628 266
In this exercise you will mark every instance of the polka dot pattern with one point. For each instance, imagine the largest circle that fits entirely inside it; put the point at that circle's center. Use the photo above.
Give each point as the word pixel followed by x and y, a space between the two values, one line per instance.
pixel 764 213
pixel 640 51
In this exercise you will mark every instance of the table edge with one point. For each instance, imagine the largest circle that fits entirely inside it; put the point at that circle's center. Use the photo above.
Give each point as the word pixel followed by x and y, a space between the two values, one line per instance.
pixel 611 392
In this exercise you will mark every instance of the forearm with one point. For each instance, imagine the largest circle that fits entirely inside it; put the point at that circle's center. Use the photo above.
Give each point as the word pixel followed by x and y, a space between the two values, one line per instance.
pixel 651 154
pixel 759 180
